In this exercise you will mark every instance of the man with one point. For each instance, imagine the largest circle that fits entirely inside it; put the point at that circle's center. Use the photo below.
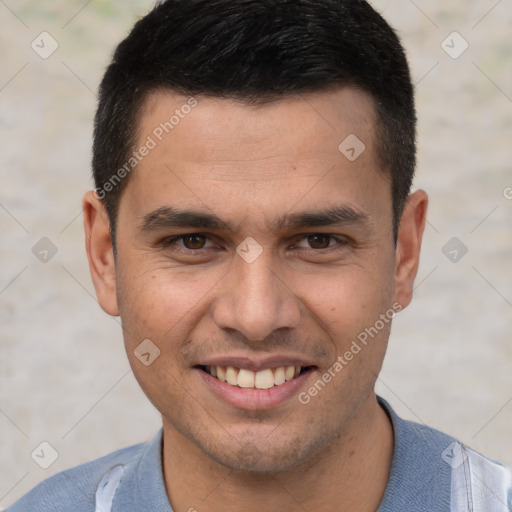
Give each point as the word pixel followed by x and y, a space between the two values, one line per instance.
pixel 253 227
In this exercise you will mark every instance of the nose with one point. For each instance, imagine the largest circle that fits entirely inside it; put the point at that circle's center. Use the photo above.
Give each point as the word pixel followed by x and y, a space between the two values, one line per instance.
pixel 256 301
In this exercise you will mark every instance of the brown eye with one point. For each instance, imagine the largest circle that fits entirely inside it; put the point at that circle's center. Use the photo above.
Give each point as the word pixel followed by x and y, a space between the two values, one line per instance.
pixel 194 241
pixel 319 241
pixel 189 242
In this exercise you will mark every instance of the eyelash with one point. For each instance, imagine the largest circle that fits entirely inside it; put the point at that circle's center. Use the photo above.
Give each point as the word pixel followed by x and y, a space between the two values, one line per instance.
pixel 340 242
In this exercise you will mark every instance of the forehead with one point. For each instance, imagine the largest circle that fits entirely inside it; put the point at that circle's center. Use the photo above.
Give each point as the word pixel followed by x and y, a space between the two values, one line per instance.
pixel 222 152
pixel 214 126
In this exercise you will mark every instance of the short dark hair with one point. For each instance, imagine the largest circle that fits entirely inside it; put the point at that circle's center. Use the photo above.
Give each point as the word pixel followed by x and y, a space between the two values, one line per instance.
pixel 257 51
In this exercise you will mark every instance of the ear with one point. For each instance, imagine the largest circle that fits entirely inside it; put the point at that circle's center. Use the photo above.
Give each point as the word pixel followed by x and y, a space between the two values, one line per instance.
pixel 407 255
pixel 98 244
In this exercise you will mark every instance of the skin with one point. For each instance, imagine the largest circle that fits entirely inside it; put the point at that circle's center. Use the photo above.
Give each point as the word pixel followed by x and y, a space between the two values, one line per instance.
pixel 302 297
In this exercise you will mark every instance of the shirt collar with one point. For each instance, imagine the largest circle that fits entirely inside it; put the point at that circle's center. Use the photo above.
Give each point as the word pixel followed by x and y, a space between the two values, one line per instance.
pixel 143 486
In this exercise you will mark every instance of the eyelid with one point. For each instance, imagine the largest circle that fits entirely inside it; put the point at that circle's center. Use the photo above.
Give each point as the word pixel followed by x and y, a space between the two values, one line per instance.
pixel 340 240
pixel 170 240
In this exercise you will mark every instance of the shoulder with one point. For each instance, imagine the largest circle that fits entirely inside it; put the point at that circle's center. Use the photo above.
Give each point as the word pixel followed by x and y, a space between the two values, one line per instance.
pixel 434 471
pixel 75 489
pixel 415 442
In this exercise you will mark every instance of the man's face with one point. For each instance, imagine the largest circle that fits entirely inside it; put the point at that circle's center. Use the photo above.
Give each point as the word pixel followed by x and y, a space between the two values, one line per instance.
pixel 286 255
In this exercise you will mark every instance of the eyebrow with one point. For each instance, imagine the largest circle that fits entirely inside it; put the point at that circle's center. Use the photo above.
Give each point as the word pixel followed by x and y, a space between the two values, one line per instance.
pixel 341 216
pixel 169 217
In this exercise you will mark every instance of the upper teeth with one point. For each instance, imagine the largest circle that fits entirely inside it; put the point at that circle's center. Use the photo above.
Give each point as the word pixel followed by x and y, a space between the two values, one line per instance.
pixel 264 379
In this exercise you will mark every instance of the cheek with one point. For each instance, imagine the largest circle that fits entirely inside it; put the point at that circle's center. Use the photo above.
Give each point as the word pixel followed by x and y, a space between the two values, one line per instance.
pixel 158 302
pixel 347 300
pixel 161 305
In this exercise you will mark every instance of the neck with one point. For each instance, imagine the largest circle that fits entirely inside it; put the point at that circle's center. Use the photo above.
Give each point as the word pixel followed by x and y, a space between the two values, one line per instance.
pixel 349 474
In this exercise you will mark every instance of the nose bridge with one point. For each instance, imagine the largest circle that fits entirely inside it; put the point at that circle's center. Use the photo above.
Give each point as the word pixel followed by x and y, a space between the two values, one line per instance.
pixel 256 301
pixel 257 288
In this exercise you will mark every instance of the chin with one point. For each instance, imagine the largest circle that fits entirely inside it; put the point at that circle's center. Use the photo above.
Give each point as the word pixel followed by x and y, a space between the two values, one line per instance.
pixel 254 460
pixel 262 454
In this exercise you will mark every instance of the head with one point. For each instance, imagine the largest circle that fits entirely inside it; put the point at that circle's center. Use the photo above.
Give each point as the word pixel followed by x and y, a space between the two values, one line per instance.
pixel 280 137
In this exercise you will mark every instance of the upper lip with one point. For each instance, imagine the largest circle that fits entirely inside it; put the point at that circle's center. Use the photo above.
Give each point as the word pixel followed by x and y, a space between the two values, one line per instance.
pixel 255 364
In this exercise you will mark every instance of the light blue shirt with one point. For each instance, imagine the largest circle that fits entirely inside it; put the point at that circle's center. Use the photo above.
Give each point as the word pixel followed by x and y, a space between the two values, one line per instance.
pixel 430 472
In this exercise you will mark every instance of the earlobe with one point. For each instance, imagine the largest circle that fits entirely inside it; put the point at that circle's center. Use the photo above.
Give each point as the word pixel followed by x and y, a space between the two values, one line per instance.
pixel 407 256
pixel 98 244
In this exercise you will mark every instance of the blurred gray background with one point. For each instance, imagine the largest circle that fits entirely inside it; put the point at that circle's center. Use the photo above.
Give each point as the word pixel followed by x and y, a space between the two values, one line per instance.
pixel 64 377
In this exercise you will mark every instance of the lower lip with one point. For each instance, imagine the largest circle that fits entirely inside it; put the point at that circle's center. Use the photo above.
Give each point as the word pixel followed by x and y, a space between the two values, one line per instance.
pixel 255 399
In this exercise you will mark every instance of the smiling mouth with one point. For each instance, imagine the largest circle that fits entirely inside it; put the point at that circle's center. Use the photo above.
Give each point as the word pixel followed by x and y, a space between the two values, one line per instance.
pixel 263 379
